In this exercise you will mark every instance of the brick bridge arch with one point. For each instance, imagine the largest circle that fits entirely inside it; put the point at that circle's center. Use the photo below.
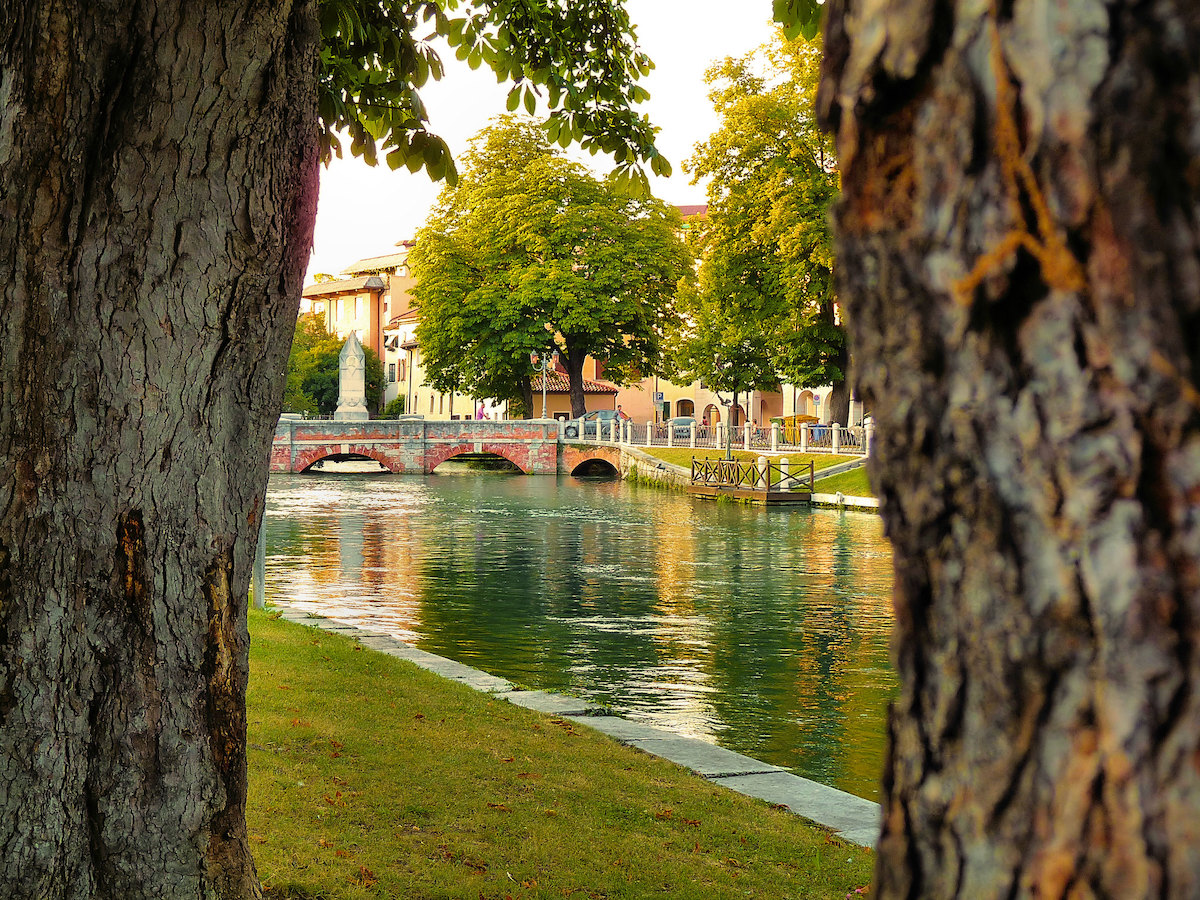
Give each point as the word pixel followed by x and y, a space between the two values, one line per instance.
pixel 312 455
pixel 574 456
pixel 436 454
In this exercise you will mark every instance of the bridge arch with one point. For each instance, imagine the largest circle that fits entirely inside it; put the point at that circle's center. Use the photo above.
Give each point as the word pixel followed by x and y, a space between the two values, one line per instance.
pixel 436 454
pixel 310 456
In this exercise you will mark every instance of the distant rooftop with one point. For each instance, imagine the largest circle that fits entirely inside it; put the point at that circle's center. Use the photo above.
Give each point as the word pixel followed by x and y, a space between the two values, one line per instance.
pixel 697 210
pixel 345 286
pixel 559 384
pixel 375 263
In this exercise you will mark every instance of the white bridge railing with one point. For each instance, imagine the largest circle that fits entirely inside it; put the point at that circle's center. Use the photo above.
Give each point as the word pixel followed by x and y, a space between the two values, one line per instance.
pixel 808 438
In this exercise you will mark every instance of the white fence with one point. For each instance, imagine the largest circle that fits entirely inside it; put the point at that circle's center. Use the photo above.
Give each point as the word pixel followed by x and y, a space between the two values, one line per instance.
pixel 809 438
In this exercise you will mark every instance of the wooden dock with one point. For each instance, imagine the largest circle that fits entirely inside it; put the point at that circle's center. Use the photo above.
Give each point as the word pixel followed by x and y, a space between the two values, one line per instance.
pixel 766 482
pixel 749 495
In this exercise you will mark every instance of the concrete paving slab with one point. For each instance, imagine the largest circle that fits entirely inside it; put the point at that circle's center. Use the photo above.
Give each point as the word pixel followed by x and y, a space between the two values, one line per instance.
pixel 702 757
pixel 622 729
pixel 554 704
pixel 843 812
pixel 448 668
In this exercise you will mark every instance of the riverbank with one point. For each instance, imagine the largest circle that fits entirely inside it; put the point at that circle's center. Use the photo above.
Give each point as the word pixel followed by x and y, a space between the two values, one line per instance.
pixel 841 480
pixel 372 778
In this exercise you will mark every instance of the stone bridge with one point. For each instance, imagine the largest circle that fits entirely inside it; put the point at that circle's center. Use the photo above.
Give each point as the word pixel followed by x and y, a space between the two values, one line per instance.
pixel 416 446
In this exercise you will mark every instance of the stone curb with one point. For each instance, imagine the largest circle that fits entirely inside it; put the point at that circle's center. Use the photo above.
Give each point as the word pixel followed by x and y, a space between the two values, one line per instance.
pixel 852 818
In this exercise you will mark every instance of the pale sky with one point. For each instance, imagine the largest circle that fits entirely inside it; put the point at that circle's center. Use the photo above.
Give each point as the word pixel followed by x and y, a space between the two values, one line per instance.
pixel 364 211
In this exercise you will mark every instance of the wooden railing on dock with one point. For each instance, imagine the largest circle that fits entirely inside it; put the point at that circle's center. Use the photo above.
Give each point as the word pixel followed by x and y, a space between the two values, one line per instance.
pixel 768 475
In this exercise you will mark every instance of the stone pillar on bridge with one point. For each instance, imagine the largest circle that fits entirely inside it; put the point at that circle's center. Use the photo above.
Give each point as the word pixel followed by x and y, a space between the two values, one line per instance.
pixel 352 382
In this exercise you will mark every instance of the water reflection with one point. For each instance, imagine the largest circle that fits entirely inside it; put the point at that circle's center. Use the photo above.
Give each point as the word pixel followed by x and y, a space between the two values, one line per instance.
pixel 764 630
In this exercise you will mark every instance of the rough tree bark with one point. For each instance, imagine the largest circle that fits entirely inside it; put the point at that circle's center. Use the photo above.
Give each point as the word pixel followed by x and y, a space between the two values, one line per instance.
pixel 157 191
pixel 1020 262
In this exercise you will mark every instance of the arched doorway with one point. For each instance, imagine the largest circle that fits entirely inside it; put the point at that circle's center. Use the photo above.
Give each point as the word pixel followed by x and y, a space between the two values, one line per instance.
pixel 712 414
pixel 685 408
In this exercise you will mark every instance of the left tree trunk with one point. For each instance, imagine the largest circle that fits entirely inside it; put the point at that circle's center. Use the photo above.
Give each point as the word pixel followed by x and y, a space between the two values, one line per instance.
pixel 157 188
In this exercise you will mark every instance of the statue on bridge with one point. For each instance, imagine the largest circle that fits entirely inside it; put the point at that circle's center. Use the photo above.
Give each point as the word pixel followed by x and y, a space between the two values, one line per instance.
pixel 352 382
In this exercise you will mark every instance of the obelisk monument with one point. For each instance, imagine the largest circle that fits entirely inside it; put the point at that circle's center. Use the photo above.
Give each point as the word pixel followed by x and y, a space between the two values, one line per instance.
pixel 352 382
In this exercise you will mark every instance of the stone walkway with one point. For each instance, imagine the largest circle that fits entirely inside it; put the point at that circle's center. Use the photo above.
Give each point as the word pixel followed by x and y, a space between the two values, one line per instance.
pixel 852 818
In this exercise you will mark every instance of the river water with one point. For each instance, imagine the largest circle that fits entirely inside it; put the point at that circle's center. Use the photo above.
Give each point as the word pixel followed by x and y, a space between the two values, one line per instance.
pixel 762 630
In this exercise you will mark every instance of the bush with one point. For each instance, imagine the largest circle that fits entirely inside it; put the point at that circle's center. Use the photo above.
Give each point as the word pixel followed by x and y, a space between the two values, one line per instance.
pixel 394 409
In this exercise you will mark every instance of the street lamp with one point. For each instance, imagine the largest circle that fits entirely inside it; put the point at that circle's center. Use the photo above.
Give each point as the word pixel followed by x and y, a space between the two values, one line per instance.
pixel 547 363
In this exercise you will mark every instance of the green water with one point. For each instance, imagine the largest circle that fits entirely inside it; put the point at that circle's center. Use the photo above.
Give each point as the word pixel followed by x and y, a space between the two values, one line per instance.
pixel 762 630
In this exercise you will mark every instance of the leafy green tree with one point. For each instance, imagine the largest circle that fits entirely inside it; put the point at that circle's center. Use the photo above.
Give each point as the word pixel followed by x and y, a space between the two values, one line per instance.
pixel 765 245
pixel 530 252
pixel 314 365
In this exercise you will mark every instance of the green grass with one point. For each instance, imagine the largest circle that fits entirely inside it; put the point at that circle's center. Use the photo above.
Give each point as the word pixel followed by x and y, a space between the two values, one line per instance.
pixel 682 456
pixel 853 484
pixel 370 778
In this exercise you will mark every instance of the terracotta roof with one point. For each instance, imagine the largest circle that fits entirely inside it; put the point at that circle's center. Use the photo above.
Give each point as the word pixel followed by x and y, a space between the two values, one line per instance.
pixel 558 384
pixel 371 263
pixel 345 286
pixel 407 316
pixel 688 211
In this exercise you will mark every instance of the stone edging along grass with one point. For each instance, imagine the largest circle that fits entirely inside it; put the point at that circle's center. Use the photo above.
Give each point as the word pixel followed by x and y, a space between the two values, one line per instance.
pixel 849 817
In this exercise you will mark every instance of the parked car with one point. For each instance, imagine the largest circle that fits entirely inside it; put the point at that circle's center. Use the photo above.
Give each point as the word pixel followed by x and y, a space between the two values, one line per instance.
pixel 681 428
pixel 597 418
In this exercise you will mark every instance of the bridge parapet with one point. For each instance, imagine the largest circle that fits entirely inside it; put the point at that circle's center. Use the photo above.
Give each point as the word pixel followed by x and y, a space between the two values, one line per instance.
pixel 415 445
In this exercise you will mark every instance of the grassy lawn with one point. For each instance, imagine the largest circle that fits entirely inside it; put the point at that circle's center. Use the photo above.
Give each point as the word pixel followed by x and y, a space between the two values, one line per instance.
pixel 853 484
pixel 372 778
pixel 682 456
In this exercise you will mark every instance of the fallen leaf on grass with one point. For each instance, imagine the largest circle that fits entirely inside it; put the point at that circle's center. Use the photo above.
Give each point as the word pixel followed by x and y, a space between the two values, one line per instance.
pixel 419 716
pixel 499 806
pixel 508 759
pixel 365 877
pixel 300 723
pixel 528 775
pixel 324 842
pixel 695 823
pixel 342 853
pixel 664 814
pixel 285 687
pixel 257 838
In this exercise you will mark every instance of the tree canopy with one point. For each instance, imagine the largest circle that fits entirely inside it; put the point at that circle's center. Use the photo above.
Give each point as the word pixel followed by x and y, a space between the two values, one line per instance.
pixel 531 252
pixel 765 245
pixel 579 58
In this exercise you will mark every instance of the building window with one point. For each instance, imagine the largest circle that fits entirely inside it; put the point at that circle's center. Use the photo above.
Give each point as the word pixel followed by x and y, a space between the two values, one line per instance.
pixel 403 370
pixel 391 373
pixel 431 404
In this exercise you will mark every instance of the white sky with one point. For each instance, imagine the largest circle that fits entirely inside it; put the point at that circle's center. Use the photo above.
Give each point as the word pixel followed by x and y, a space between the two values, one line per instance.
pixel 364 211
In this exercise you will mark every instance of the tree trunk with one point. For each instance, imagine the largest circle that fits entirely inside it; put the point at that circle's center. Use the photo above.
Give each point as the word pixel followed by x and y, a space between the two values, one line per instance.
pixel 157 188
pixel 574 361
pixel 1020 262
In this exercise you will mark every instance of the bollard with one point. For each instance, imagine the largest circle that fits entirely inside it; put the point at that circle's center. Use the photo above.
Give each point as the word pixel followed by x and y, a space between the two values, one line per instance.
pixel 785 477
pixel 868 437
pixel 692 441
pixel 670 435
pixel 746 436
pixel 837 443
pixel 649 432
pixel 764 477
pixel 774 436
pixel 804 437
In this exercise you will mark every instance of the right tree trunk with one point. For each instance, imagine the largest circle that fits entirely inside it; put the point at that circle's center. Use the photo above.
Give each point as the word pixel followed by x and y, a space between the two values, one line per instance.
pixel 1020 261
